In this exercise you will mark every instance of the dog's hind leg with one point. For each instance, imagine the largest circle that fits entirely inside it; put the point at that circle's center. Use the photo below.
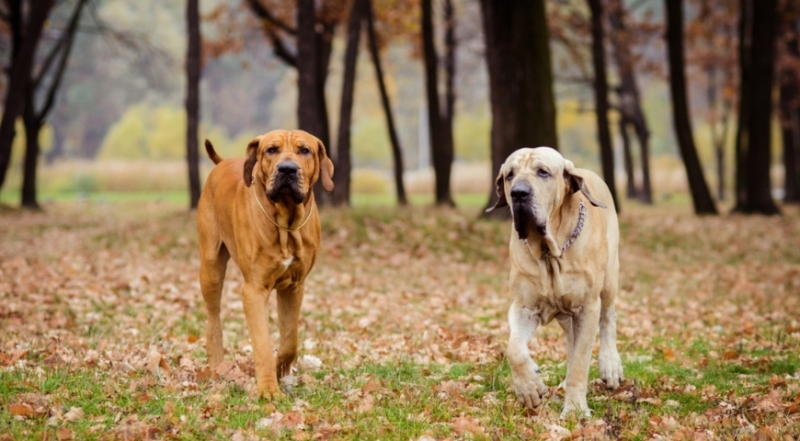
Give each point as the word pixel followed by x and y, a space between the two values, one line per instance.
pixel 212 276
pixel 565 322
pixel 584 327
pixel 289 302
pixel 608 361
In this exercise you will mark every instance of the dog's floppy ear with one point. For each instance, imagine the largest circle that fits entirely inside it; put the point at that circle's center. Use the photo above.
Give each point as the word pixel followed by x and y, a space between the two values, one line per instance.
pixel 325 167
pixel 500 188
pixel 250 160
pixel 576 183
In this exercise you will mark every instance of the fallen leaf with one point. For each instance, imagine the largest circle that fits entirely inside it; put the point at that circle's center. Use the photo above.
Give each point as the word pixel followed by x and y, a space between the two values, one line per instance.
pixel 366 404
pixel 65 434
pixel 21 409
pixel 467 424
pixel 74 414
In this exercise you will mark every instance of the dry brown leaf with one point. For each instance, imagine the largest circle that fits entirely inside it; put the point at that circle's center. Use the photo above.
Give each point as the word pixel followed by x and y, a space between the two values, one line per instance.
pixel 21 409
pixel 293 420
pixel 467 424
pixel 65 434
pixel 366 404
pixel 74 414
pixel 370 386
pixel 731 354
pixel 776 381
pixel 770 403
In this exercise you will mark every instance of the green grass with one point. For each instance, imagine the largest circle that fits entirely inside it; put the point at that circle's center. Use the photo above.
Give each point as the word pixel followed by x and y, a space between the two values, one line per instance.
pixel 424 276
pixel 408 402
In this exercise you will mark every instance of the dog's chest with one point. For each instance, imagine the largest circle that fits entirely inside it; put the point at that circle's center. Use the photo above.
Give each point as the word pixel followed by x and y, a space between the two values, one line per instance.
pixel 554 286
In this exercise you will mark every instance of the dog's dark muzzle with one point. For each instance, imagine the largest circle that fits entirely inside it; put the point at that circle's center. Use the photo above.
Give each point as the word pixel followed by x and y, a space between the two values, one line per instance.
pixel 287 182
pixel 522 209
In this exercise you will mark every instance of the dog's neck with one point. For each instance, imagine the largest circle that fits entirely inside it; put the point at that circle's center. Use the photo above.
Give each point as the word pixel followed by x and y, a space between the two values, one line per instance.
pixel 283 215
pixel 284 211
pixel 560 226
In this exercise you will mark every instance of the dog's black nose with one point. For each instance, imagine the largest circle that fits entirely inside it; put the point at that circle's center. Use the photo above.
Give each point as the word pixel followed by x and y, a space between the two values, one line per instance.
pixel 521 191
pixel 288 168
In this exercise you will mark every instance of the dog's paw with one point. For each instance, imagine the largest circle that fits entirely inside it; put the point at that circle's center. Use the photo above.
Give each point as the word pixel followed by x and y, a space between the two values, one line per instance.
pixel 610 369
pixel 575 408
pixel 530 393
pixel 270 390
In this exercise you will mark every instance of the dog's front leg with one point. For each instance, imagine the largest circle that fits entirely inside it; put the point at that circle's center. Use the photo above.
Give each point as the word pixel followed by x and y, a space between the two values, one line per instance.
pixel 254 300
pixel 525 372
pixel 584 328
pixel 289 302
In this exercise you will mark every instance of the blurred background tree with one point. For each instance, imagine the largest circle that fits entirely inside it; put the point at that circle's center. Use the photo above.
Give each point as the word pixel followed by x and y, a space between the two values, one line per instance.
pixel 119 101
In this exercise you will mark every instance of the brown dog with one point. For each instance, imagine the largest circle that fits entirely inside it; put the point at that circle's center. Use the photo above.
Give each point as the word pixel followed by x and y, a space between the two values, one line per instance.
pixel 260 211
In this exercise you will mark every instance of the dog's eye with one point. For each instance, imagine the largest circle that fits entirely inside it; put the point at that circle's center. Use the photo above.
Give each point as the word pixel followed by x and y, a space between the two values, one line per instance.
pixel 510 175
pixel 272 150
pixel 543 173
pixel 304 150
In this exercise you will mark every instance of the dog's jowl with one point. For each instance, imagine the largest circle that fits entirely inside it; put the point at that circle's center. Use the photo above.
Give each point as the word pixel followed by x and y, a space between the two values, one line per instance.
pixel 260 212
pixel 564 266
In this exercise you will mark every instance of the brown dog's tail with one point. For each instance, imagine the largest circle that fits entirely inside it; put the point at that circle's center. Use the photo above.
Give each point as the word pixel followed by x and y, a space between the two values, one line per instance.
pixel 212 154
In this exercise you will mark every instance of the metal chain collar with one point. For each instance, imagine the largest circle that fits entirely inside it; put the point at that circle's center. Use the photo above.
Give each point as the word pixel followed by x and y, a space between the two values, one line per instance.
pixel 577 231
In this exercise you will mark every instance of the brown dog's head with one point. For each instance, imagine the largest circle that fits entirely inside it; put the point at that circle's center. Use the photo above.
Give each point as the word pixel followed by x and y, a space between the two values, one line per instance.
pixel 288 163
pixel 536 181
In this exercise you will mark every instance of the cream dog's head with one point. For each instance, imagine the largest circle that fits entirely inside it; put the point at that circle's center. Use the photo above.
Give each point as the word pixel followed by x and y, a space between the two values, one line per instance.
pixel 288 163
pixel 537 181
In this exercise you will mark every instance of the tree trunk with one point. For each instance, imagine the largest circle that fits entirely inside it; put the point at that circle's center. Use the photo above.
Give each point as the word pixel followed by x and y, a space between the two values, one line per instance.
pixel 314 40
pixel 449 67
pixel 32 127
pixel 756 139
pixel 33 119
pixel 742 134
pixel 703 203
pixel 19 76
pixel 441 141
pixel 627 157
pixel 448 147
pixel 630 106
pixel 520 80
pixel 790 107
pixel 193 60
pixel 341 179
pixel 643 136
pixel 601 98
pixel 718 141
pixel 397 152
pixel 313 53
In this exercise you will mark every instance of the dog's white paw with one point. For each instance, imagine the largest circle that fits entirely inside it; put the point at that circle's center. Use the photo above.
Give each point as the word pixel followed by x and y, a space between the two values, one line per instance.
pixel 579 409
pixel 610 368
pixel 530 392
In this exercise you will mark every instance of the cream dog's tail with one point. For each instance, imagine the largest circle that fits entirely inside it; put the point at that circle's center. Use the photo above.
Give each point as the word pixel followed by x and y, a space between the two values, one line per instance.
pixel 212 154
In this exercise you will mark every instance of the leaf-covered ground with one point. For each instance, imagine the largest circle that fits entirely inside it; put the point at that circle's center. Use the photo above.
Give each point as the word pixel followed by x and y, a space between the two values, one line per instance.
pixel 403 329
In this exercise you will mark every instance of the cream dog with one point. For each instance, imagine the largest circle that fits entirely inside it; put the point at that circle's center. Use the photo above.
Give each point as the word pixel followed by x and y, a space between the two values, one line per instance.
pixel 564 265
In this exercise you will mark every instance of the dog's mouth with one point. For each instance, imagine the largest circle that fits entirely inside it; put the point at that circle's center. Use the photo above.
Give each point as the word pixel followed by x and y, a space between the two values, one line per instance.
pixel 525 220
pixel 286 188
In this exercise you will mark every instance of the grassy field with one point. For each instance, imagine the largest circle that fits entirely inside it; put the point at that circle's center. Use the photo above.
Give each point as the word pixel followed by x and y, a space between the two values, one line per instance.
pixel 403 330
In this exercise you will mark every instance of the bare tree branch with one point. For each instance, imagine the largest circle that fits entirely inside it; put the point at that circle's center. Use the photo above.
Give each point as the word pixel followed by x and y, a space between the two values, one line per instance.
pixel 69 40
pixel 54 51
pixel 262 12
